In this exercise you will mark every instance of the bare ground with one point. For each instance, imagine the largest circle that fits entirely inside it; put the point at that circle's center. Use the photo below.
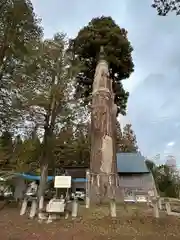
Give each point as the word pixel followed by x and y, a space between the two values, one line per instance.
pixel 132 223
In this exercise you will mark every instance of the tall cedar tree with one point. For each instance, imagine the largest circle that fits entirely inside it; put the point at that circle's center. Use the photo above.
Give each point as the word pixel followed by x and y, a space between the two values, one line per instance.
pixel 19 30
pixel 163 7
pixel 102 31
pixel 129 143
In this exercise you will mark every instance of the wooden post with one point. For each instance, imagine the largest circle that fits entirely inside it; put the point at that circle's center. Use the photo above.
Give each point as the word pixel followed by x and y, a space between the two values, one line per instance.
pixel 87 188
pixel 103 155
pixel 148 201
pixel 98 189
pixel 50 218
pixel 113 208
pixel 168 207
pixel 74 208
pixel 155 207
pixel 66 215
pixel 160 203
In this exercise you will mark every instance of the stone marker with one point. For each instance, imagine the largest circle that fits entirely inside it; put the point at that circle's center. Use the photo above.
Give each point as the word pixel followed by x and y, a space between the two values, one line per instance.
pixel 33 208
pixel 24 207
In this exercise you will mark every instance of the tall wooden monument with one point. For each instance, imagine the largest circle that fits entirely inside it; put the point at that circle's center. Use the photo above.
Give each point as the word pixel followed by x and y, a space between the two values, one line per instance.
pixel 103 129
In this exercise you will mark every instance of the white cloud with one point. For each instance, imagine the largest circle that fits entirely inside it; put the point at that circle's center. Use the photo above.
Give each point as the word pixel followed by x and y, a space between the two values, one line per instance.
pixel 123 120
pixel 171 144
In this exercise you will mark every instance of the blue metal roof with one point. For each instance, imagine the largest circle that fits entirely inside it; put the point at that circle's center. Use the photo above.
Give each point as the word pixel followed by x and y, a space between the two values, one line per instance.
pixel 131 163
pixel 49 178
pixel 79 180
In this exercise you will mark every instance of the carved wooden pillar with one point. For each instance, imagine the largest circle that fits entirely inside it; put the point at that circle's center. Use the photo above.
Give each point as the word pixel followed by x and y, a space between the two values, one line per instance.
pixel 103 155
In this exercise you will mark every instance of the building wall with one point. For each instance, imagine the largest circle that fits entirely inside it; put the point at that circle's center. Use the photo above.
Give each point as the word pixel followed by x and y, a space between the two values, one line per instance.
pixel 139 181
pixel 135 186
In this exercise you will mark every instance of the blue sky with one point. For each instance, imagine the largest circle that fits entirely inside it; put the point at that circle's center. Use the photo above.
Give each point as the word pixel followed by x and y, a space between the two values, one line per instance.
pixel 154 103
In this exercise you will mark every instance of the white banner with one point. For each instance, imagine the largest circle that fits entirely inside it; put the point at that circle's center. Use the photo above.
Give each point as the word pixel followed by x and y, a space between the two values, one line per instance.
pixel 62 182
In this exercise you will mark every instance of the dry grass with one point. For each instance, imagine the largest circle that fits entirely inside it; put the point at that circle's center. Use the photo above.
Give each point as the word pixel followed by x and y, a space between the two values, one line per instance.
pixel 132 222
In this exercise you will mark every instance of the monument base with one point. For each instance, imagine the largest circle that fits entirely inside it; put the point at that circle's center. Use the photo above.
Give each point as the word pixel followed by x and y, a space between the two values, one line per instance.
pixel 101 188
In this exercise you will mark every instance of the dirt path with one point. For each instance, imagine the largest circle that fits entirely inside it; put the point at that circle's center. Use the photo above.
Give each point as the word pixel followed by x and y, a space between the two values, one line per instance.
pixel 14 227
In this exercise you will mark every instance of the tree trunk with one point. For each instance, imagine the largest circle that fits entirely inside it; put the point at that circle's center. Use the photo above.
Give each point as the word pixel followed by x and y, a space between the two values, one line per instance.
pixel 42 185
pixel 46 155
pixel 47 145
